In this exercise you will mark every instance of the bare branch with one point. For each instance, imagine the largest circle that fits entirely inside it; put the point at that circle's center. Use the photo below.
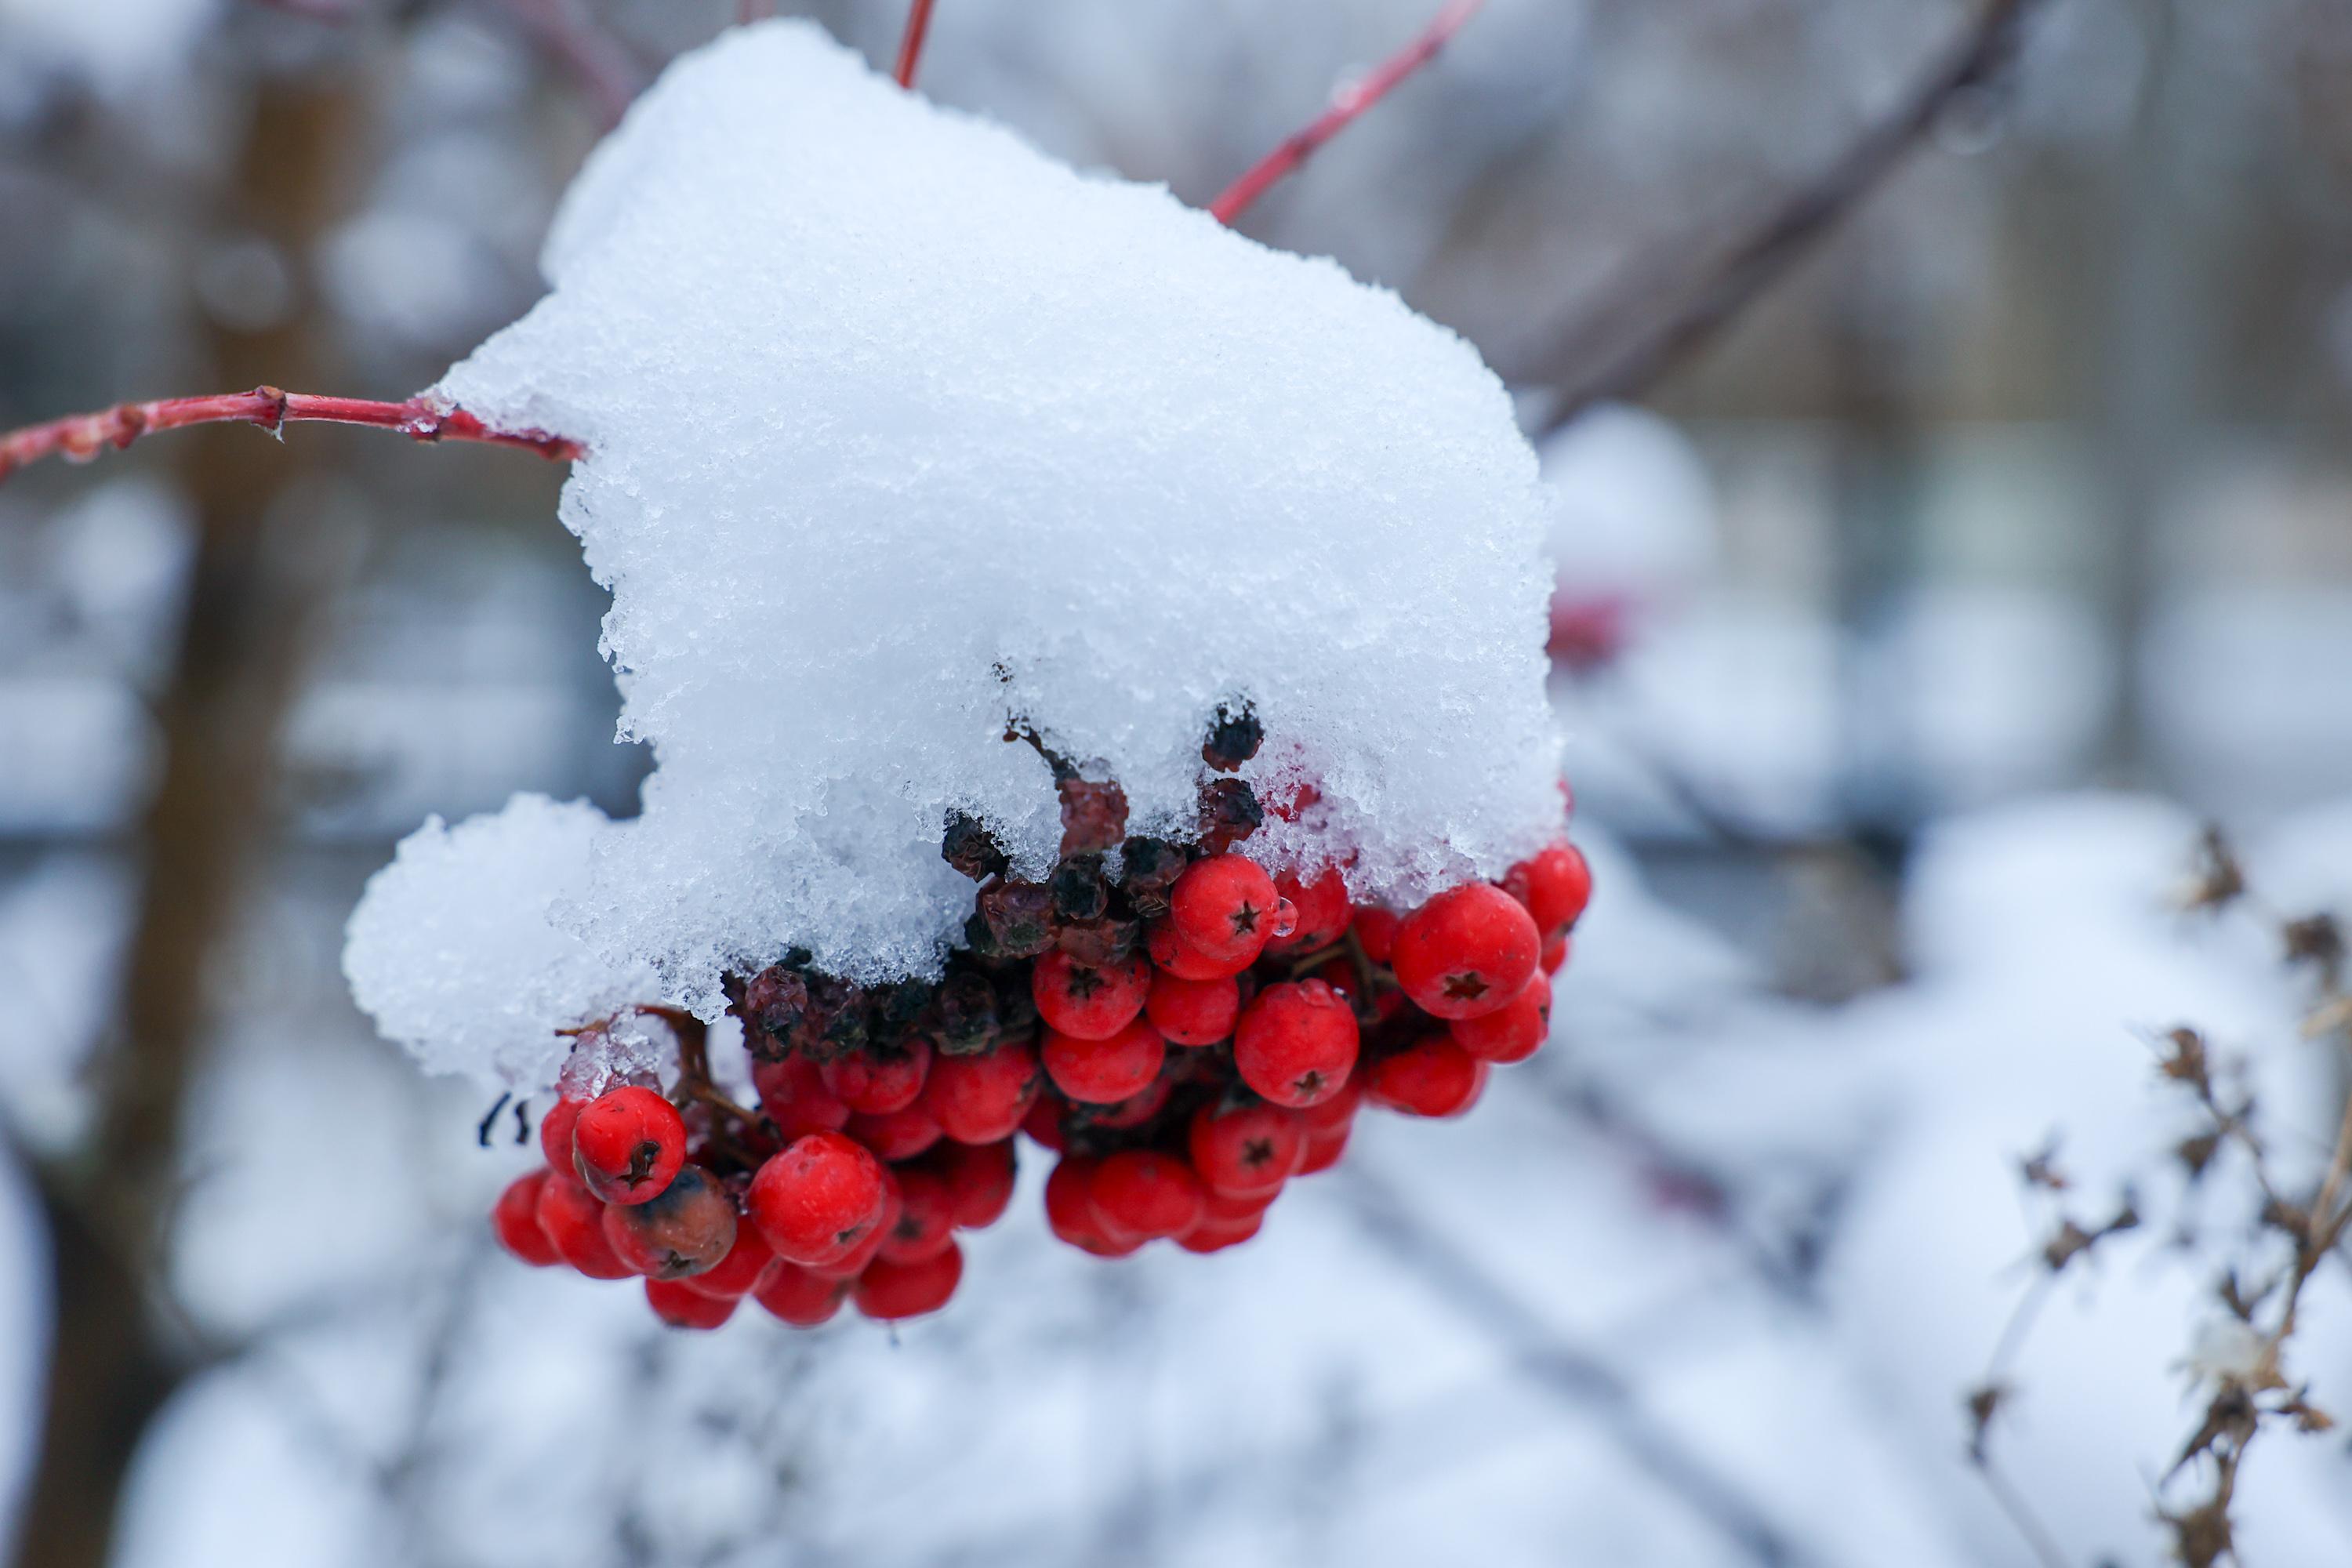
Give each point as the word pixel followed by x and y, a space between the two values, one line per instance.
pixel 910 44
pixel 1350 100
pixel 80 437
pixel 1634 331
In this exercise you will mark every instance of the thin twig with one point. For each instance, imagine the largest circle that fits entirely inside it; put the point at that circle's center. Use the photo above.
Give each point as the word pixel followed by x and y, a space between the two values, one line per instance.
pixel 1601 357
pixel 1349 99
pixel 910 43
pixel 79 438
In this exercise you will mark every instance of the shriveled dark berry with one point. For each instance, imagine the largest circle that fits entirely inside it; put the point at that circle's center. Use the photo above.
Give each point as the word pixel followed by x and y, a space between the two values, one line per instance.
pixel 1016 1007
pixel 1019 917
pixel 970 848
pixel 1100 942
pixel 1229 813
pixel 967 1014
pixel 776 1005
pixel 1079 891
pixel 1234 738
pixel 1148 868
pixel 1094 816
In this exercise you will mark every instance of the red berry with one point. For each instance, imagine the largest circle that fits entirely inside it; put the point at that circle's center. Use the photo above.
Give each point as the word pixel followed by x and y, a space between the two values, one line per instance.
pixel 888 1291
pixel 1139 1108
pixel 800 1298
pixel 1217 1205
pixel 851 1264
pixel 1431 1077
pixel 1194 1012
pixel 900 1135
pixel 1324 1148
pixel 982 1098
pixel 1070 1209
pixel 1139 1193
pixel 1044 1122
pixel 1248 1150
pixel 1216 1235
pixel 1510 1034
pixel 1223 908
pixel 555 1134
pixel 626 1144
pixel 1376 930
pixel 688 1229
pixel 926 1219
pixel 1555 953
pixel 742 1271
pixel 979 1180
pixel 515 1219
pixel 1085 1001
pixel 1555 885
pixel 574 1223
pixel 878 1082
pixel 1337 1112
pixel 1170 955
pixel 681 1308
pixel 1296 1043
pixel 818 1199
pixel 1323 911
pixel 1466 952
pixel 793 1093
pixel 1103 1072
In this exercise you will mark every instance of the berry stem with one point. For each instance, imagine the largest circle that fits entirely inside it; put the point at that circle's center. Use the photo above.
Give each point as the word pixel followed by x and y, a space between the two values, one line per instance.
pixel 1351 98
pixel 79 438
pixel 910 43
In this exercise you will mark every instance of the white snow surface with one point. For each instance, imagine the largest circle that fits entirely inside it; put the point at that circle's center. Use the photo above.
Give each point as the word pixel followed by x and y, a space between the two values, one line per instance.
pixel 897 430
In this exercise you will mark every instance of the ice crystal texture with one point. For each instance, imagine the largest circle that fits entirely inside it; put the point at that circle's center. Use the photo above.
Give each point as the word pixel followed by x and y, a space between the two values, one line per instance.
pixel 898 430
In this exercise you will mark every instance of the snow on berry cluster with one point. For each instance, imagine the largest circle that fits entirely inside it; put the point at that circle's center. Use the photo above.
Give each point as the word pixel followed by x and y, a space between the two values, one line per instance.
pixel 1186 1032
pixel 898 430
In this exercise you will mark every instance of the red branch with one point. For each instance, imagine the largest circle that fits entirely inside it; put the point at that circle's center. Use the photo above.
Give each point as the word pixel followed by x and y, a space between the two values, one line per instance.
pixel 1349 99
pixel 910 44
pixel 79 438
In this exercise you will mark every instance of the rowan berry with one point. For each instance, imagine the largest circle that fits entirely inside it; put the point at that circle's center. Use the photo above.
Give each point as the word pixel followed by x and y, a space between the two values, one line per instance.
pixel 626 1144
pixel 890 1291
pixel 1466 952
pixel 1172 955
pixel 1431 1077
pixel 799 1296
pixel 687 1229
pixel 1322 911
pixel 515 1219
pixel 1137 1108
pixel 1324 1147
pixel 1103 1072
pixel 1093 815
pixel 1247 1149
pixel 683 1308
pixel 1089 1002
pixel 896 1135
pixel 1147 867
pixel 926 1216
pixel 982 1098
pixel 1555 953
pixel 792 1092
pixel 1555 884
pixel 1011 920
pixel 1194 1012
pixel 744 1269
pixel 1216 1235
pixel 1223 909
pixel 1512 1032
pixel 1146 1194
pixel 1219 1205
pixel 818 1199
pixel 1234 738
pixel 1070 1209
pixel 851 1264
pixel 1044 1122
pixel 575 1222
pixel 1337 1112
pixel 1376 930
pixel 555 1134
pixel 879 1081
pixel 970 848
pixel 1229 813
pixel 1296 1043
pixel 979 1180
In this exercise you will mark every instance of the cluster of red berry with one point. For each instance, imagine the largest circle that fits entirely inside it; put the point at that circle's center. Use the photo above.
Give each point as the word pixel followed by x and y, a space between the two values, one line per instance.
pixel 1184 1030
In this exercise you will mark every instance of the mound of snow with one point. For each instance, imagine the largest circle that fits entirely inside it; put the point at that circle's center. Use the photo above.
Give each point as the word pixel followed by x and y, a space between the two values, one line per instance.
pixel 898 430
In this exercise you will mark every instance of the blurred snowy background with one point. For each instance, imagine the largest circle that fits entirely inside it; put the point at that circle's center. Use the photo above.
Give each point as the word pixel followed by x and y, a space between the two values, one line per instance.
pixel 1907 635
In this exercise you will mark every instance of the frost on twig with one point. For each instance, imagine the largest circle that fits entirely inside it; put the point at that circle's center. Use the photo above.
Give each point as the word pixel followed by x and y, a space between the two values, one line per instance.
pixel 2240 1361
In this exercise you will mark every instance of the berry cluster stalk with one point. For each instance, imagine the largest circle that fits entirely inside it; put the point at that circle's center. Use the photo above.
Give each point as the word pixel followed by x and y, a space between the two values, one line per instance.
pixel 1350 100
pixel 910 44
pixel 79 438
